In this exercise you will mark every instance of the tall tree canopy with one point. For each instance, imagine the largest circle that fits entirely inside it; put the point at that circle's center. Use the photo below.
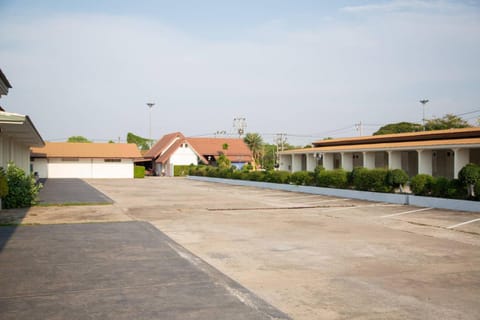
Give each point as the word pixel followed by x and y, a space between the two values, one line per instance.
pixel 75 139
pixel 399 127
pixel 449 121
pixel 142 143
pixel 255 142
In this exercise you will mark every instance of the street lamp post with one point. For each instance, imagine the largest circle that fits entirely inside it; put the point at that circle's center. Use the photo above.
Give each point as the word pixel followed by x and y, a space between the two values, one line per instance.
pixel 150 106
pixel 423 102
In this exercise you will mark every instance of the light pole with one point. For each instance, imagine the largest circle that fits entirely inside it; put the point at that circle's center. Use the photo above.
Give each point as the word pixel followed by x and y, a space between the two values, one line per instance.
pixel 423 102
pixel 150 106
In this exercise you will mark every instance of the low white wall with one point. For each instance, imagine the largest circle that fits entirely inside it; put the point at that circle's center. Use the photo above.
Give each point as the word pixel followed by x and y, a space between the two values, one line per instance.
pixel 430 202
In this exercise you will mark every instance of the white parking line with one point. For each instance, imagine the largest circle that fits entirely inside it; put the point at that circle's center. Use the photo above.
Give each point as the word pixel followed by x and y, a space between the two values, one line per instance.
pixel 400 213
pixel 463 223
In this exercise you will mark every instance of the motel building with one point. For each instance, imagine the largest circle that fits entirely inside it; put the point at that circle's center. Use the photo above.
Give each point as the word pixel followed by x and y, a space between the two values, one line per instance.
pixel 441 153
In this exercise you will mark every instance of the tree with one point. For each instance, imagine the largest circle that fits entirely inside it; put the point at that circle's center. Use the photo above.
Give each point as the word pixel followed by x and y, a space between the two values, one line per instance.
pixel 254 141
pixel 268 156
pixel 449 121
pixel 142 143
pixel 223 162
pixel 76 139
pixel 398 127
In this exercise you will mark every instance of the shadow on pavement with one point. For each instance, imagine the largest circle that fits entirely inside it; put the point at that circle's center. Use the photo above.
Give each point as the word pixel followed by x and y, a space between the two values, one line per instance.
pixel 9 221
pixel 70 192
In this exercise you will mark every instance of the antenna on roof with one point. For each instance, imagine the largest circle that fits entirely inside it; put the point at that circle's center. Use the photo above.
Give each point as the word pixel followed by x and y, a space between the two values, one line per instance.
pixel 239 125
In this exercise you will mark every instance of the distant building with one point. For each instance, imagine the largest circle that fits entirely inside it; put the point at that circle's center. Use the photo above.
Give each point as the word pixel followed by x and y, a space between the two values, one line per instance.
pixel 85 160
pixel 438 153
pixel 17 134
pixel 175 149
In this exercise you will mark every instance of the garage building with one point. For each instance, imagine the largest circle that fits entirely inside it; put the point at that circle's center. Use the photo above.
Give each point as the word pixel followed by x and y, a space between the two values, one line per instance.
pixel 84 160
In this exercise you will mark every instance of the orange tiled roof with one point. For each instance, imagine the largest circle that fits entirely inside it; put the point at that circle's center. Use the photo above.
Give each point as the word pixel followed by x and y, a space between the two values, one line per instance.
pixel 237 150
pixel 161 146
pixel 447 143
pixel 403 137
pixel 87 150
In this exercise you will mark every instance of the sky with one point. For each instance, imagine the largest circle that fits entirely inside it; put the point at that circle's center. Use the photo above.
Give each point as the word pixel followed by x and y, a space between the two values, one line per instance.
pixel 307 68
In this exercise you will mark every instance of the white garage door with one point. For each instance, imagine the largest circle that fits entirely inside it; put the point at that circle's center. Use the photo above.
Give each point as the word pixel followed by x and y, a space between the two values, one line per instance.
pixel 89 168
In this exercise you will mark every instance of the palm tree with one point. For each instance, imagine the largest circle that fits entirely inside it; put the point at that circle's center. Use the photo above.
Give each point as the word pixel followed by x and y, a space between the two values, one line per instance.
pixel 255 142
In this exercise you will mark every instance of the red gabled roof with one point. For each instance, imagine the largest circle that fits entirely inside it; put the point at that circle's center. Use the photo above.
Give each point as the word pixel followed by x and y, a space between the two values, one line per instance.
pixel 237 150
pixel 164 144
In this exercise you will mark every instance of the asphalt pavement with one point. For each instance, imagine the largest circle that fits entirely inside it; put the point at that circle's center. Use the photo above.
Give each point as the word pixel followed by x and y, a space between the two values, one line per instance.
pixel 70 191
pixel 121 270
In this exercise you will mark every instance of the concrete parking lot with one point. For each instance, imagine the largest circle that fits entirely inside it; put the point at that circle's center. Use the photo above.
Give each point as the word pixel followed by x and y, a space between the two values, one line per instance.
pixel 313 257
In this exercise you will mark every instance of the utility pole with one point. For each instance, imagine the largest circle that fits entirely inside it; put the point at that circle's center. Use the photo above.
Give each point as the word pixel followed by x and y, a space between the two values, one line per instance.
pixel 359 128
pixel 423 102
pixel 239 125
pixel 150 106
pixel 280 140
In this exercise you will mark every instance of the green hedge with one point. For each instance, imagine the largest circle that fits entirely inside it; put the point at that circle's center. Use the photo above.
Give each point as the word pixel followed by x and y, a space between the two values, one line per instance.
pixel 337 178
pixel 139 172
pixel 181 171
pixel 376 180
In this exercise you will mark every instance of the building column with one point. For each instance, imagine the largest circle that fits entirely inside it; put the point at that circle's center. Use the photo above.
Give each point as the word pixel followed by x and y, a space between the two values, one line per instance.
pixel 328 161
pixel 347 161
pixel 394 160
pixel 461 157
pixel 425 161
pixel 369 160
pixel 311 162
pixel 296 162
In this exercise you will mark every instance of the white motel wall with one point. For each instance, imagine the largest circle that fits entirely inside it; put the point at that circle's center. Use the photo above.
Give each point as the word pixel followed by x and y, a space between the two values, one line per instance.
pixel 183 156
pixel 83 168
pixel 13 151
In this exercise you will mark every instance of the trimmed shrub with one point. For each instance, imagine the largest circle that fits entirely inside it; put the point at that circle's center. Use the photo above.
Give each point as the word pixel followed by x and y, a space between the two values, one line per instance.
pixel 477 190
pixel 397 178
pixel 277 176
pixel 469 175
pixel 456 190
pixel 180 171
pixel 357 178
pixel 225 173
pixel 440 187
pixel 302 178
pixel 139 172
pixel 256 176
pixel 421 184
pixel 332 178
pixel 22 189
pixel 370 180
pixel 3 183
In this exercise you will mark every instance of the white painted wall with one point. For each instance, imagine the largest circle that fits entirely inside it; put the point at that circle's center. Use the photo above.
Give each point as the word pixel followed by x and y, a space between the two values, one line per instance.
pixel 83 168
pixel 109 170
pixel 41 167
pixel 184 156
pixel 12 151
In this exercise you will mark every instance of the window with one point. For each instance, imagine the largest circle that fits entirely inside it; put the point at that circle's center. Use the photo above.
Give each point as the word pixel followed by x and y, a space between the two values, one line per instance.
pixel 112 160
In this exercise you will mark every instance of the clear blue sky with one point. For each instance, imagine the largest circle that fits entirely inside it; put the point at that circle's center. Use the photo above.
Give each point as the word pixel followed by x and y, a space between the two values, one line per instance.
pixel 305 68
